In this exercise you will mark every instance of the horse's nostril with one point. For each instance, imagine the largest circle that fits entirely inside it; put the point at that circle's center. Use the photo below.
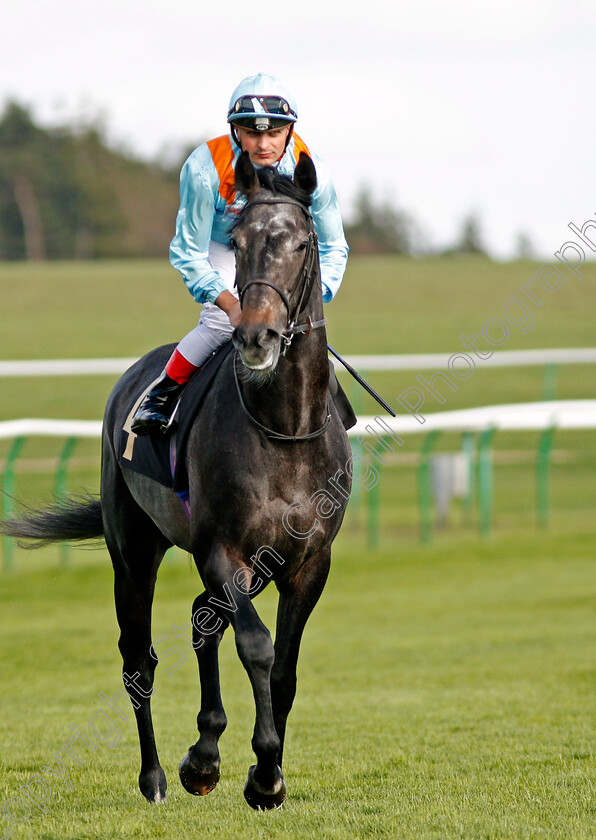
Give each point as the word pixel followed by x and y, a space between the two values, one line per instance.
pixel 255 336
pixel 239 337
pixel 265 337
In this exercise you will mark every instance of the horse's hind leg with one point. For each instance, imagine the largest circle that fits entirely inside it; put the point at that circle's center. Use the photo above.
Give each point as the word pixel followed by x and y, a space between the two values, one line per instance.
pixel 199 769
pixel 136 547
pixel 134 596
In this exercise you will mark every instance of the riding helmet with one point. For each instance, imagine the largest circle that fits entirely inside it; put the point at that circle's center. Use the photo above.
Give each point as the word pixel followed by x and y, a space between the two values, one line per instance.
pixel 261 103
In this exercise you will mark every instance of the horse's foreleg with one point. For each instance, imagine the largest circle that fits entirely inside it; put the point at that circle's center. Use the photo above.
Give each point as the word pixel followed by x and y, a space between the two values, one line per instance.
pixel 297 599
pixel 199 769
pixel 265 787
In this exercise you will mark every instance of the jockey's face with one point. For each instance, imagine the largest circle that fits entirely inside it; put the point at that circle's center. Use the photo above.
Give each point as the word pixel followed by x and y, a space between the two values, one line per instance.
pixel 264 147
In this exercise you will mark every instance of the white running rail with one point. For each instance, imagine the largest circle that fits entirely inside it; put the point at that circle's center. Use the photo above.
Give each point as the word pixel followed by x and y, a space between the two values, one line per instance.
pixel 419 361
pixel 562 414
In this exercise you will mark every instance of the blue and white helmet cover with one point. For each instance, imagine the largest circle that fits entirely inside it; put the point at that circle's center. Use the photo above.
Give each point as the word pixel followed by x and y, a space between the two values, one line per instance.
pixel 255 88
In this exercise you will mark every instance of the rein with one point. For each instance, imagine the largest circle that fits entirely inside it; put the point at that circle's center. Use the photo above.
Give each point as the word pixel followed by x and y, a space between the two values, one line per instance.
pixel 271 433
pixel 306 281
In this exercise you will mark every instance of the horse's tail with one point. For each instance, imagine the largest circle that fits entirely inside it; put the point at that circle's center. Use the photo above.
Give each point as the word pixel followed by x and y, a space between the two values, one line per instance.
pixel 74 518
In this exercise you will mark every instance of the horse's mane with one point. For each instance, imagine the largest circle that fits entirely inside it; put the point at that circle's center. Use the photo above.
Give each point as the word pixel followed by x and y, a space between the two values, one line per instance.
pixel 270 179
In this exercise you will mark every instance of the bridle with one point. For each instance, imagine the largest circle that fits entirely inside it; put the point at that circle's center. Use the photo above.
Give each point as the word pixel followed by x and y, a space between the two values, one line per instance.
pixel 305 283
pixel 310 272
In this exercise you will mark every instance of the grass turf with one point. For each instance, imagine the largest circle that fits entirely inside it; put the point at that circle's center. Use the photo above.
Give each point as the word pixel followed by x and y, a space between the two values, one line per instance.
pixel 445 691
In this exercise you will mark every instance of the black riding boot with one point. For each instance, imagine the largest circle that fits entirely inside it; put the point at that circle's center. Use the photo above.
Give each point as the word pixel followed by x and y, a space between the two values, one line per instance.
pixel 155 411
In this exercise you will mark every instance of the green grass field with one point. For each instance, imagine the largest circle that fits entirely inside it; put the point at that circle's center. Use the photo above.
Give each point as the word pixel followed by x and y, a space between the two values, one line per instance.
pixel 445 691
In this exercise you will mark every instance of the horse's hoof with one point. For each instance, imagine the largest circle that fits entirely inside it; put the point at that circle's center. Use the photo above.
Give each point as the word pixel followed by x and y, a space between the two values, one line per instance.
pixel 196 781
pixel 157 799
pixel 263 799
pixel 153 786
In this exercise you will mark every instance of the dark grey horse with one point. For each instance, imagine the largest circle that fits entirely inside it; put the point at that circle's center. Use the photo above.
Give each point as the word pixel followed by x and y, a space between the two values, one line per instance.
pixel 268 463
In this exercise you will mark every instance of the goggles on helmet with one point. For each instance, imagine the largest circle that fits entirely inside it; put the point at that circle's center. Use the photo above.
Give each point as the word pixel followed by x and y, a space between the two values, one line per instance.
pixel 275 108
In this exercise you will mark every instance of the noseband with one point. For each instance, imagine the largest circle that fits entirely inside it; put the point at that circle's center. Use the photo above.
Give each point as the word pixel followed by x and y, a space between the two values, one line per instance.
pixel 306 280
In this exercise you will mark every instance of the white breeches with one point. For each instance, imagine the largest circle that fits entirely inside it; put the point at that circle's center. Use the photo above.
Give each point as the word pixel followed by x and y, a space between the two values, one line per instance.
pixel 214 326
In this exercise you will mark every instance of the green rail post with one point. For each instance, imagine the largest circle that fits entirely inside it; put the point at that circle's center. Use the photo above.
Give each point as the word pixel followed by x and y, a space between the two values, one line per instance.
pixel 374 504
pixel 60 486
pixel 357 400
pixel 549 382
pixel 425 501
pixel 8 487
pixel 468 447
pixel 485 481
pixel 545 445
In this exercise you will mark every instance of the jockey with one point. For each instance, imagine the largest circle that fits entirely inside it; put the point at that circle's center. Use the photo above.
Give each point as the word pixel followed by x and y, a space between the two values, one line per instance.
pixel 261 114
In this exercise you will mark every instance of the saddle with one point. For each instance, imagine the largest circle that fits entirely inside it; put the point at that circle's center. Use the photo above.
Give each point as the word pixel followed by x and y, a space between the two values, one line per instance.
pixel 161 457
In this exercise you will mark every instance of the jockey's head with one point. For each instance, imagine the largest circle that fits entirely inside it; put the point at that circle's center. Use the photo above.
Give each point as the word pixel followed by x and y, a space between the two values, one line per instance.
pixel 262 113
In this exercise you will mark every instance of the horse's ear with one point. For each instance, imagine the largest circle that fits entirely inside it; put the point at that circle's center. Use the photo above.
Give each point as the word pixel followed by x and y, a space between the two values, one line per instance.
pixel 305 174
pixel 246 180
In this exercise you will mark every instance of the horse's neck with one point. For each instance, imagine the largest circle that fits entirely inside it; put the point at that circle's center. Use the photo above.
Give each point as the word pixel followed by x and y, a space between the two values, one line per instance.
pixel 295 402
pixel 308 373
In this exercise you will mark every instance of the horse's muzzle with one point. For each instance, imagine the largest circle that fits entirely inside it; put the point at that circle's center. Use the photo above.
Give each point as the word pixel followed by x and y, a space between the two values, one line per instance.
pixel 258 345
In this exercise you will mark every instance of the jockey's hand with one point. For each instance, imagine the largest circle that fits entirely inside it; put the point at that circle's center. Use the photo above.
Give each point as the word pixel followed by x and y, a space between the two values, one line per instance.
pixel 231 306
pixel 235 314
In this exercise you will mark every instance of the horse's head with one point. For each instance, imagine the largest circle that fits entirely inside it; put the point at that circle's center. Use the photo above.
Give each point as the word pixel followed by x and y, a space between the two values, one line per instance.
pixel 276 253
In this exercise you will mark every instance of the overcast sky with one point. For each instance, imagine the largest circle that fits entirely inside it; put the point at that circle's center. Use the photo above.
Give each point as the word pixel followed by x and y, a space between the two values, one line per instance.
pixel 442 108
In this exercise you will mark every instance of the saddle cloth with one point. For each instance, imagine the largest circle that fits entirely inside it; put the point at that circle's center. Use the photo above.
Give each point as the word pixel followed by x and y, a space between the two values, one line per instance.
pixel 159 456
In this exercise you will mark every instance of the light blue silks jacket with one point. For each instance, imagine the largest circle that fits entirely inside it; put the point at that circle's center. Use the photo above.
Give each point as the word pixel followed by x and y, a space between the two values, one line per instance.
pixel 204 215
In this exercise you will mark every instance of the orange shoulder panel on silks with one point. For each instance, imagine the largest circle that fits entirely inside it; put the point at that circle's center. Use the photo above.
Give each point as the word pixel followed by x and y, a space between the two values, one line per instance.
pixel 222 154
pixel 300 146
pixel 223 160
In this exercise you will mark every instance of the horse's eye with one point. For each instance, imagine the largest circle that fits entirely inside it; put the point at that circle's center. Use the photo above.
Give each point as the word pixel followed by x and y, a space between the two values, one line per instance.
pixel 302 246
pixel 233 243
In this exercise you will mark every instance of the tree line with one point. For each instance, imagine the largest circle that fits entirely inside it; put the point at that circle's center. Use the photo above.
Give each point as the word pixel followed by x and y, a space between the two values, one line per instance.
pixel 65 194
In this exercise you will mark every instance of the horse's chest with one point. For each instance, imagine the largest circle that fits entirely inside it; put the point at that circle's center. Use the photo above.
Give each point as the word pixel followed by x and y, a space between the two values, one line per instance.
pixel 261 482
